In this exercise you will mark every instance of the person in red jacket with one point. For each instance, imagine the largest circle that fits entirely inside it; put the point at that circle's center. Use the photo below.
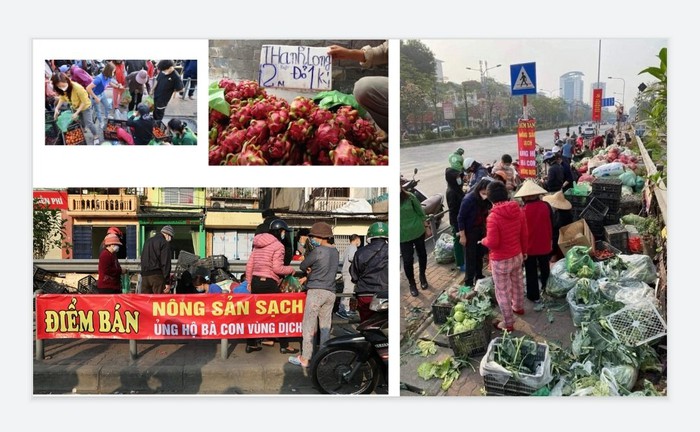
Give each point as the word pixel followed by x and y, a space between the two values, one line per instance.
pixel 538 215
pixel 108 269
pixel 506 239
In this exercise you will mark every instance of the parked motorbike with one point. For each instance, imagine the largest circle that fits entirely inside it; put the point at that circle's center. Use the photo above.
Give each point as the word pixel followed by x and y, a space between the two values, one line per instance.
pixel 355 363
pixel 432 205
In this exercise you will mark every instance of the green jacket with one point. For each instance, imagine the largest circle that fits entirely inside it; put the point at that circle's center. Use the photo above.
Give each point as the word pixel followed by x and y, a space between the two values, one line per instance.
pixel 188 138
pixel 412 219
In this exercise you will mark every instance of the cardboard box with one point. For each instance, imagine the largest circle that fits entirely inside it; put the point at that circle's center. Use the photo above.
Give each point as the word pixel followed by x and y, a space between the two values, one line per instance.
pixel 575 234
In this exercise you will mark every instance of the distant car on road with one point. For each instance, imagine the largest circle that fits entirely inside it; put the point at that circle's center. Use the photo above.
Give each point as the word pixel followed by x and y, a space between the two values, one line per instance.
pixel 447 129
pixel 588 132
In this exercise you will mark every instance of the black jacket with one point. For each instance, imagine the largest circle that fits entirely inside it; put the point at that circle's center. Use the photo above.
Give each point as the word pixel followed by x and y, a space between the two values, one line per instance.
pixel 454 194
pixel 370 267
pixel 143 128
pixel 156 257
pixel 555 178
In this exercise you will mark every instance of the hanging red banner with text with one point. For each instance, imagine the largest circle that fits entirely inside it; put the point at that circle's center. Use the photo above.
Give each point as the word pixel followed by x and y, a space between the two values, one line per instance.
pixel 527 166
pixel 142 316
pixel 597 104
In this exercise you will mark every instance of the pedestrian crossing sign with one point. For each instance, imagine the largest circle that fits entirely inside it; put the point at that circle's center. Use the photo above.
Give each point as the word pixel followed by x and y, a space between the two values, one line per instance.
pixel 523 80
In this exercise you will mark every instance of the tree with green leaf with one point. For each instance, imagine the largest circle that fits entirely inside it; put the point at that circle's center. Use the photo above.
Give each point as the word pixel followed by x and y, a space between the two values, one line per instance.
pixel 652 103
pixel 49 230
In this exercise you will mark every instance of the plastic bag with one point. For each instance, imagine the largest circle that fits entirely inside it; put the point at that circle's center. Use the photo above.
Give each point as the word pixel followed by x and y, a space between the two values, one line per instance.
pixel 125 136
pixel 560 281
pixel 217 102
pixel 290 284
pixel 332 99
pixel 639 267
pixel 581 312
pixel 612 169
pixel 444 249
pixel 626 291
pixel 126 97
pixel 148 100
pixel 64 119
pixel 629 178
pixel 579 262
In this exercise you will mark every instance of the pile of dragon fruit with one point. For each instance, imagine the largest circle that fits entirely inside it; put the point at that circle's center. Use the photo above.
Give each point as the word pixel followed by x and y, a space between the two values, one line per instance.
pixel 267 130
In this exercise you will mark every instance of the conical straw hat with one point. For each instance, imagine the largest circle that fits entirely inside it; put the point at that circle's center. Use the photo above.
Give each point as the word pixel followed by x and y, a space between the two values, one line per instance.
pixel 529 188
pixel 558 201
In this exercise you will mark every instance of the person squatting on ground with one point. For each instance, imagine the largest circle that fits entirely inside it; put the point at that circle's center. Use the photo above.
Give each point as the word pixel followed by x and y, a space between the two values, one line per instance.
pixel 182 135
pixel 471 221
pixel 454 176
pixel 142 123
pixel 321 265
pixel 109 272
pixel 370 268
pixel 203 285
pixel 167 82
pixel 348 285
pixel 412 237
pixel 265 270
pixel 156 261
pixel 372 92
pixel 506 238
pixel 538 215
pixel 74 94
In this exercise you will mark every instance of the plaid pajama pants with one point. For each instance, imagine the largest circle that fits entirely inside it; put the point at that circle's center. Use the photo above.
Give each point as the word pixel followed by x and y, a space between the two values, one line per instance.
pixel 508 283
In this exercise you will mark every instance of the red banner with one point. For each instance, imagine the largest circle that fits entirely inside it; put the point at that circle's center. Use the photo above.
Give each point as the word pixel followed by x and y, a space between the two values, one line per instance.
pixel 527 166
pixel 144 316
pixel 56 200
pixel 597 104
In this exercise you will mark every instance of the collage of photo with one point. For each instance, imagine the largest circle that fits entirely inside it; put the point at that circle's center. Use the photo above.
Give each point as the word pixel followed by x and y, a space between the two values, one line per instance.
pixel 528 246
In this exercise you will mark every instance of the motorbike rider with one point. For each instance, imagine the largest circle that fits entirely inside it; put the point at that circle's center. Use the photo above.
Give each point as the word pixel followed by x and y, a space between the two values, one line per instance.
pixel 370 268
pixel 476 169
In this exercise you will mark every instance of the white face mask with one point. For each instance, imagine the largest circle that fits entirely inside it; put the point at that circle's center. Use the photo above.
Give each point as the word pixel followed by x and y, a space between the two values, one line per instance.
pixel 283 234
pixel 63 87
pixel 459 182
pixel 200 288
pixel 115 248
pixel 483 196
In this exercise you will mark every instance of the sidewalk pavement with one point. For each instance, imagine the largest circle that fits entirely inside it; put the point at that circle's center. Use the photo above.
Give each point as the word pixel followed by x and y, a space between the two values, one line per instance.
pixel 92 366
pixel 553 324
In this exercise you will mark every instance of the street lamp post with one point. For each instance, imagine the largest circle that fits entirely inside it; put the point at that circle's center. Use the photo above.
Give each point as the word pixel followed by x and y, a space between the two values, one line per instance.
pixel 466 107
pixel 483 72
pixel 623 88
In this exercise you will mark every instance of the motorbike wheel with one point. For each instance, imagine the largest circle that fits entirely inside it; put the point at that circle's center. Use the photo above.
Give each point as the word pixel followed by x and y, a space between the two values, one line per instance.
pixel 331 370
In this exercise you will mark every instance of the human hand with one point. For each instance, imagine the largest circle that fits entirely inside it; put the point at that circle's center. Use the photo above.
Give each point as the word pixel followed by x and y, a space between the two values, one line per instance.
pixel 74 116
pixel 166 290
pixel 338 52
pixel 462 239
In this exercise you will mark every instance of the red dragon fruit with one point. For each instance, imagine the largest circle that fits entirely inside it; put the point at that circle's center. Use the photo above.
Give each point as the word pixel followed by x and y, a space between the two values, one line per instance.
pixel 320 116
pixel 327 135
pixel 251 89
pixel 251 155
pixel 234 140
pixel 349 112
pixel 279 147
pixel 301 107
pixel 260 109
pixel 362 131
pixel 227 84
pixel 217 117
pixel 299 130
pixel 257 131
pixel 346 154
pixel 277 121
pixel 369 157
pixel 323 158
pixel 240 118
pixel 232 96
pixel 343 123
pixel 216 155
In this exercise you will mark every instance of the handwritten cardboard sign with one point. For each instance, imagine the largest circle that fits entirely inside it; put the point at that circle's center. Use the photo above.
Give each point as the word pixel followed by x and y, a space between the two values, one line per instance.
pixel 297 67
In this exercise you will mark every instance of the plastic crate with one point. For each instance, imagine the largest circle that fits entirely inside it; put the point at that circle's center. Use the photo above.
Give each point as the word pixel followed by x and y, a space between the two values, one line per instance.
pixel 595 211
pixel 441 311
pixel 185 259
pixel 611 196
pixel 637 324
pixel 472 342
pixel 215 262
pixel 43 275
pixel 506 385
pixel 110 131
pixel 52 134
pixel 577 200
pixel 617 236
pixel 53 287
pixel 161 132
pixel 74 128
pixel 606 184
pixel 87 285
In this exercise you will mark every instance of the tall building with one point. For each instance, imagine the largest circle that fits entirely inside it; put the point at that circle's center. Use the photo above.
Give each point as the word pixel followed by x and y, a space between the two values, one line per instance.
pixel 438 71
pixel 571 85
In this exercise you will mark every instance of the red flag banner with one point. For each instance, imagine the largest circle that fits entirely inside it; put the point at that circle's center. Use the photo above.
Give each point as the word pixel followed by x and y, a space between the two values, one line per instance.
pixel 143 316
pixel 527 166
pixel 597 104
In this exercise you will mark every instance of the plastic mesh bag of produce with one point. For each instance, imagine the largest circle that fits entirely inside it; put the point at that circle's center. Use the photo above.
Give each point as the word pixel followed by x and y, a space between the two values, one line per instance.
pixel 444 249
pixel 560 281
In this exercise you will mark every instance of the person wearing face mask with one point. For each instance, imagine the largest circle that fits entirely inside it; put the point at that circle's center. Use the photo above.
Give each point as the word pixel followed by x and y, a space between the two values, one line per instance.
pixel 506 168
pixel 204 286
pixel 98 93
pixel 156 261
pixel 108 269
pixel 182 135
pixel 167 82
pixel 303 246
pixel 266 268
pixel 471 221
pixel 73 93
pixel 454 176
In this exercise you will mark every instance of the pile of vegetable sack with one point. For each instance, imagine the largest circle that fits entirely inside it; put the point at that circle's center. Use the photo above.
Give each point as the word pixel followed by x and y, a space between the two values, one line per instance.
pixel 613 161
pixel 262 129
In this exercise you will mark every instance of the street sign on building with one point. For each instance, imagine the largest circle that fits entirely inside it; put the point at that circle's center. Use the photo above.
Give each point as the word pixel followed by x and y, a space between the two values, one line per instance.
pixel 523 80
pixel 608 102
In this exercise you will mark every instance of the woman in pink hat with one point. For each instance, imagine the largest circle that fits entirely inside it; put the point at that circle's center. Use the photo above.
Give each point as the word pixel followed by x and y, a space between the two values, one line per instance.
pixel 137 81
pixel 108 269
